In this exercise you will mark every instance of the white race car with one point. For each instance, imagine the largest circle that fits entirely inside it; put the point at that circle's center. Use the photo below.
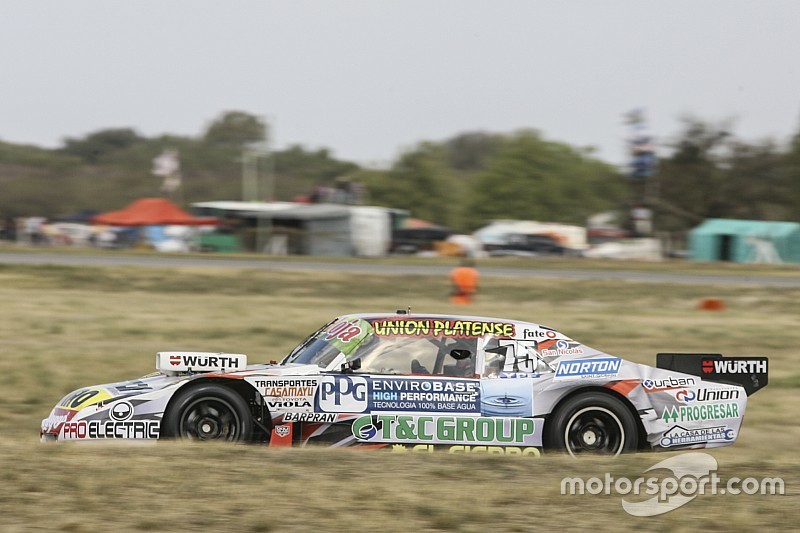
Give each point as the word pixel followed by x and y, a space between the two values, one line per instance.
pixel 424 382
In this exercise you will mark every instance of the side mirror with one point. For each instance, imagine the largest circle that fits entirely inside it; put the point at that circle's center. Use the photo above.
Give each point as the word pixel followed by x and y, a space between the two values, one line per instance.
pixel 350 366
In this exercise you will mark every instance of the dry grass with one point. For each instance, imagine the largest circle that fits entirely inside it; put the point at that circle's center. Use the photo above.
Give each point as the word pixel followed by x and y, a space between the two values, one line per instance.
pixel 62 327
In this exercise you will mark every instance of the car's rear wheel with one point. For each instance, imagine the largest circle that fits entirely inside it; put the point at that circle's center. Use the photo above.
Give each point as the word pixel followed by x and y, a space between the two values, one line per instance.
pixel 592 423
pixel 208 412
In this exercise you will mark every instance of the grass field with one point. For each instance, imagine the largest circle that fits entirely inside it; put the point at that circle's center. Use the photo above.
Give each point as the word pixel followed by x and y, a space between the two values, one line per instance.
pixel 65 327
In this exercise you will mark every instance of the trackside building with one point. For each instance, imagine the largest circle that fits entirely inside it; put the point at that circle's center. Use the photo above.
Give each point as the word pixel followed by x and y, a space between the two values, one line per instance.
pixel 745 241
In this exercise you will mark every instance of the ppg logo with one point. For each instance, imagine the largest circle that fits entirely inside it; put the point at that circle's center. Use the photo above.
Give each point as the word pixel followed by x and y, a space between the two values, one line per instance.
pixel 343 394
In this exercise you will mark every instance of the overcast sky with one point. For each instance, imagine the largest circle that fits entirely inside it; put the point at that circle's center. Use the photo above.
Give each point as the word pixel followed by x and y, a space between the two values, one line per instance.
pixel 369 79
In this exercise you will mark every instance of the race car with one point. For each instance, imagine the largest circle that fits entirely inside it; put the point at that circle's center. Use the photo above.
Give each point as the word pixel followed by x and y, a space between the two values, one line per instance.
pixel 412 382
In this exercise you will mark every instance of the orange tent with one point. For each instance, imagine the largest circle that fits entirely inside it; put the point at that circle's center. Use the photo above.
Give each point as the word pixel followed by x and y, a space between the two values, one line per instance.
pixel 151 211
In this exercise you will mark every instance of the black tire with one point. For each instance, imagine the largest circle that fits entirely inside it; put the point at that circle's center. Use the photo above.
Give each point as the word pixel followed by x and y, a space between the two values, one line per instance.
pixel 592 423
pixel 208 412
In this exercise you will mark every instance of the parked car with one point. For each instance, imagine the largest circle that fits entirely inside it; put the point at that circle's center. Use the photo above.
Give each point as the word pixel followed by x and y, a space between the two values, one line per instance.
pixel 528 245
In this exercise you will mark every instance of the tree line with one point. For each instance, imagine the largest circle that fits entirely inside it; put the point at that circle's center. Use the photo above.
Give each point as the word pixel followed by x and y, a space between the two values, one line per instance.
pixel 463 182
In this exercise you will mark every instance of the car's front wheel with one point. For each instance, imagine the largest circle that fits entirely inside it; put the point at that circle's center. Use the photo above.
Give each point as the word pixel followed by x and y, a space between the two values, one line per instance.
pixel 208 412
pixel 592 423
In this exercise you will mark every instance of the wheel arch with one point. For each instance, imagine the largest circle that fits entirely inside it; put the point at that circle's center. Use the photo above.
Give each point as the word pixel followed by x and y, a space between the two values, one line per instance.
pixel 643 443
pixel 259 411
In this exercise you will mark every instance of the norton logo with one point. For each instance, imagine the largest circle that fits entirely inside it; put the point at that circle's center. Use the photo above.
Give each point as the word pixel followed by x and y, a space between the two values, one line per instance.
pixel 174 360
pixel 121 411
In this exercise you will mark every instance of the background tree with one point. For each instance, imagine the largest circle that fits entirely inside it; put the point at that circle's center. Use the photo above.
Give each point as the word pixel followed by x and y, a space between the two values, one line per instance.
pixel 790 176
pixel 530 178
pixel 97 145
pixel 421 182
pixel 711 174
pixel 469 152
pixel 298 171
pixel 236 128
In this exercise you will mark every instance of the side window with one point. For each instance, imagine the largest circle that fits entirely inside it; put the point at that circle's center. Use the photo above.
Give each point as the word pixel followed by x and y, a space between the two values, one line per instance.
pixel 512 356
pixel 400 355
pixel 458 358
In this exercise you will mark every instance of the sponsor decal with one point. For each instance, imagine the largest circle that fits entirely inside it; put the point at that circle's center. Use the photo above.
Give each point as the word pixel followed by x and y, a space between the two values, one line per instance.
pixel 310 417
pixel 119 427
pixel 401 394
pixel 506 398
pixel 685 395
pixel 53 421
pixel 528 334
pixel 75 401
pixel 563 347
pixel 735 365
pixel 680 436
pixel 133 386
pixel 700 413
pixel 199 362
pixel 518 375
pixel 605 367
pixel 110 429
pixel 342 394
pixel 498 450
pixel 280 386
pixel 204 361
pixel 439 328
pixel 121 411
pixel 281 436
pixel 444 429
pixel 658 385
pixel 280 404
pixel 282 394
pixel 344 331
pixel 528 451
pixel 706 395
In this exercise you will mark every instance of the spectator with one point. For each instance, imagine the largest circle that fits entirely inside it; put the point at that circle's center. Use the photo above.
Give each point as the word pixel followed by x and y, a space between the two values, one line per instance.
pixel 465 282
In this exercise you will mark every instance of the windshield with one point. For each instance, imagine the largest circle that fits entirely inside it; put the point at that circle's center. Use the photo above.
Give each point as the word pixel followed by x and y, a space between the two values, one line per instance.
pixel 332 343
pixel 344 341
pixel 422 347
pixel 398 347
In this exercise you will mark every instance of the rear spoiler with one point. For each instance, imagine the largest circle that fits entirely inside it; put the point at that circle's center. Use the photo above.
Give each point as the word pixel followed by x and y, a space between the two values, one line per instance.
pixel 747 372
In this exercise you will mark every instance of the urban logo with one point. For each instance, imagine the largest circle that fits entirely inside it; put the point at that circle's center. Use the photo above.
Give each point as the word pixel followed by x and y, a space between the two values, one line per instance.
pixel 658 385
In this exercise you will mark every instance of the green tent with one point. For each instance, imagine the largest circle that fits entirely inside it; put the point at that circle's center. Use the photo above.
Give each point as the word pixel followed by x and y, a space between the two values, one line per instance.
pixel 745 241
